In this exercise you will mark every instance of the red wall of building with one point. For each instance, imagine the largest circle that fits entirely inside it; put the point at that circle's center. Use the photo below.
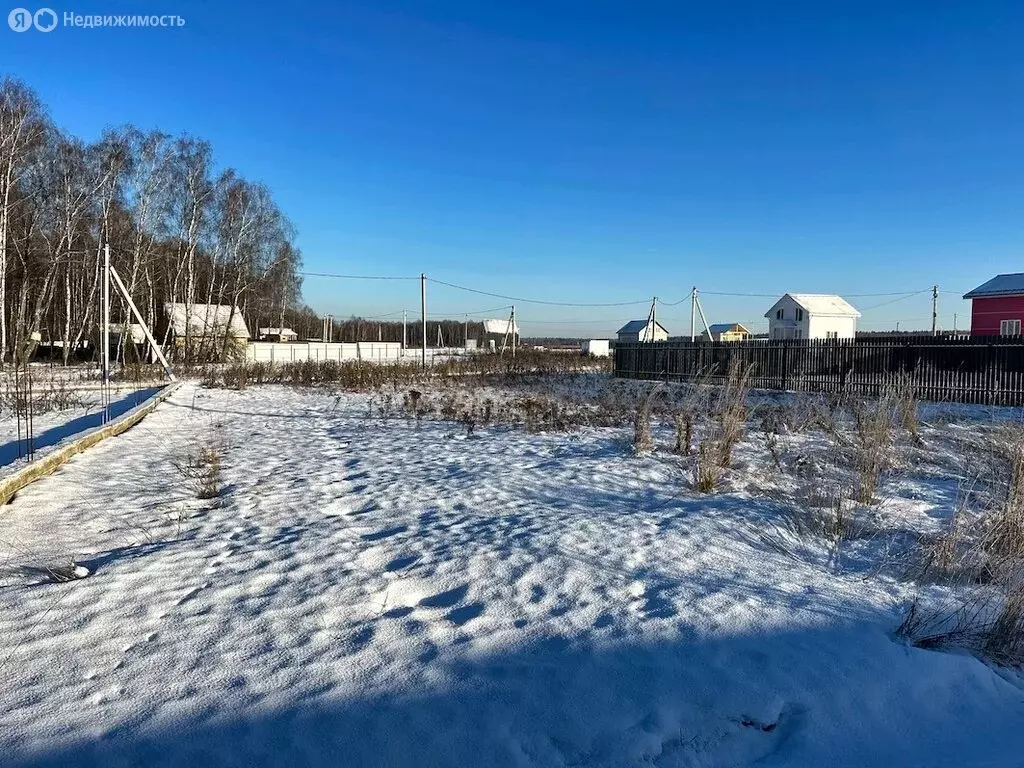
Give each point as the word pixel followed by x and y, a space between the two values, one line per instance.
pixel 986 313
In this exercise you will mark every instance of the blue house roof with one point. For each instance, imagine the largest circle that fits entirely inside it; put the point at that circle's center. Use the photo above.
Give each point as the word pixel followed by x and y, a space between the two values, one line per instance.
pixel 1000 285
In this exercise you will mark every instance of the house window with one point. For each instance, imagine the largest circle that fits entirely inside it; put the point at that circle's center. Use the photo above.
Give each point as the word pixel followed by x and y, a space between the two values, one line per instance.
pixel 831 334
pixel 799 314
pixel 779 314
pixel 1009 327
pixel 797 333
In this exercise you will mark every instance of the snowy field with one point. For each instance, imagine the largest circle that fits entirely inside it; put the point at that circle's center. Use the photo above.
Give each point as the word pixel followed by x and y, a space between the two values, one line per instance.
pixel 369 591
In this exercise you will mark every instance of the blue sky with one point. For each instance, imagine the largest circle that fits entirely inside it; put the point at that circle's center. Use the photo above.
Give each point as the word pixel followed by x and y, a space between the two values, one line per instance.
pixel 591 152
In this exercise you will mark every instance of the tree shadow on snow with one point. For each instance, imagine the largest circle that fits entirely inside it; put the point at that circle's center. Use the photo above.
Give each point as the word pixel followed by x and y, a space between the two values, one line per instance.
pixel 838 696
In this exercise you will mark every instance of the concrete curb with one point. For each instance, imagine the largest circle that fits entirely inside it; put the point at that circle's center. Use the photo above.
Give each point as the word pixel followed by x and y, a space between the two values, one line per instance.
pixel 48 464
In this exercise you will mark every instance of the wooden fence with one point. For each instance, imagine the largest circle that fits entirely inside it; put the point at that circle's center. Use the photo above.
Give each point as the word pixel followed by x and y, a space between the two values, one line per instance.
pixel 988 370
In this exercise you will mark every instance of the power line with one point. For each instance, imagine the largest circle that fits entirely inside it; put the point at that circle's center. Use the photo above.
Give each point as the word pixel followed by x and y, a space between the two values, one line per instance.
pixel 569 322
pixel 519 299
pixel 356 277
pixel 452 315
pixel 778 295
pixel 893 301
pixel 900 295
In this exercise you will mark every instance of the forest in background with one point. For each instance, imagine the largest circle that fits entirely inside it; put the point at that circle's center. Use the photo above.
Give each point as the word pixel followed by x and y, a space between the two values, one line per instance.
pixel 179 230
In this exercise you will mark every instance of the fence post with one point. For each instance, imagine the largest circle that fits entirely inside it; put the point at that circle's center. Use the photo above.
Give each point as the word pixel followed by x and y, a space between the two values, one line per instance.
pixel 785 366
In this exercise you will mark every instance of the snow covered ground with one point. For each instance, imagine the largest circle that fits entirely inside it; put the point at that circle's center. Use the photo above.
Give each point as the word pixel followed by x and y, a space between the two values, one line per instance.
pixel 382 592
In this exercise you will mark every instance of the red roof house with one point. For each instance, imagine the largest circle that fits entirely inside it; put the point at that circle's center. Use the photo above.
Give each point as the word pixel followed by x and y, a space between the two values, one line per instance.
pixel 997 307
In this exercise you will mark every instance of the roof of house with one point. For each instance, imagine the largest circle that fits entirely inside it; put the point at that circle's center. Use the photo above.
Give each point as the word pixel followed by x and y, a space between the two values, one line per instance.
pixel 635 326
pixel 134 330
pixel 726 327
pixel 821 304
pixel 277 332
pixel 205 319
pixel 1000 285
pixel 501 326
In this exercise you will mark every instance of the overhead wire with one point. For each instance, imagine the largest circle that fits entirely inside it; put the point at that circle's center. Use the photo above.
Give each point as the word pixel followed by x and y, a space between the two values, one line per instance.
pixel 899 296
pixel 356 277
pixel 520 299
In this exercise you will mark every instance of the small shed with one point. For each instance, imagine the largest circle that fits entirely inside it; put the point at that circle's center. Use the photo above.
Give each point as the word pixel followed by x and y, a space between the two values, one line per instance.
pixel 636 331
pixel 728 332
pixel 596 347
pixel 997 307
pixel 278 334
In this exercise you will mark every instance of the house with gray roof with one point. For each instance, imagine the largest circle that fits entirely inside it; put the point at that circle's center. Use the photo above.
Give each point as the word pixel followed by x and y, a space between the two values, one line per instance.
pixel 997 307
pixel 636 331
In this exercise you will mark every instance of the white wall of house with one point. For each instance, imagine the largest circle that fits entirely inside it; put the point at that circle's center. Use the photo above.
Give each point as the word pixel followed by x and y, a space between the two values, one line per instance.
pixel 826 327
pixel 789 321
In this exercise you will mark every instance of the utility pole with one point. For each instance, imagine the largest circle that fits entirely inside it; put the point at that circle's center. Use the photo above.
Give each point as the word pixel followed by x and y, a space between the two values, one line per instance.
pixel 513 330
pixel 423 316
pixel 693 314
pixel 105 338
pixel 405 325
pixel 465 333
pixel 935 309
pixel 954 323
pixel 704 320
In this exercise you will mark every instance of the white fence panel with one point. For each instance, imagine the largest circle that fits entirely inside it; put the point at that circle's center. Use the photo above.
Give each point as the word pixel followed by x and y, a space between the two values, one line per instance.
pixel 370 351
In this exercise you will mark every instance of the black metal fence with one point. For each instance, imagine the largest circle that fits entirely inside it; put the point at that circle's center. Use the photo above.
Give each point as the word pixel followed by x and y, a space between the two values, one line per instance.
pixel 988 370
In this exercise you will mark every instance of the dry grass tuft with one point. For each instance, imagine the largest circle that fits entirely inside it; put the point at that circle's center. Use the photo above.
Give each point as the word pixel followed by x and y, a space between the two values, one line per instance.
pixel 981 556
pixel 872 419
pixel 727 428
pixel 643 436
pixel 202 471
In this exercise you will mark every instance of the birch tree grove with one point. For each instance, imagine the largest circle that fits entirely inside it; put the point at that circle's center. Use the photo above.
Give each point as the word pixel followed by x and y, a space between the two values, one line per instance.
pixel 179 229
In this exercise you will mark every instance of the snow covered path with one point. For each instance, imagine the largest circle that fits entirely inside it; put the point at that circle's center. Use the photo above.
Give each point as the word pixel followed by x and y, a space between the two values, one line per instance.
pixel 382 593
pixel 57 426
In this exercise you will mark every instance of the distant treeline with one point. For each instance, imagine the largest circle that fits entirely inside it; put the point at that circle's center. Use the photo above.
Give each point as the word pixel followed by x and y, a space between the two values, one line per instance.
pixel 453 333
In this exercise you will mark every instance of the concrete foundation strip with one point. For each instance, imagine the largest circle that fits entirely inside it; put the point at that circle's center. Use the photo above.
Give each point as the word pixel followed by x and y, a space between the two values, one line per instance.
pixel 49 463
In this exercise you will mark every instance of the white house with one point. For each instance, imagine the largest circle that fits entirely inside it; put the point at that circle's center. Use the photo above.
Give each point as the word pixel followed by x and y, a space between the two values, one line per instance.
pixel 812 316
pixel 498 333
pixel 636 331
pixel 278 334
pixel 595 347
pixel 205 321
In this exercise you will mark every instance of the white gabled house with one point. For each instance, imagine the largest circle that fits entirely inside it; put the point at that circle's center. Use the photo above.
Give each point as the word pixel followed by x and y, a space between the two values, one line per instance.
pixel 812 316
pixel 206 321
pixel 498 333
pixel 278 334
pixel 637 331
